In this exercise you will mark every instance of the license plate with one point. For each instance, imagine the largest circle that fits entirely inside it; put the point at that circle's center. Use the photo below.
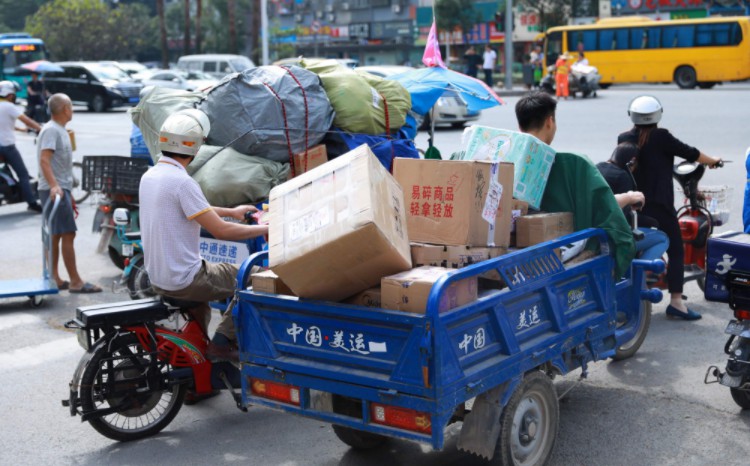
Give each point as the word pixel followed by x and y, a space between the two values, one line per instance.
pixel 127 250
pixel 83 338
pixel 736 328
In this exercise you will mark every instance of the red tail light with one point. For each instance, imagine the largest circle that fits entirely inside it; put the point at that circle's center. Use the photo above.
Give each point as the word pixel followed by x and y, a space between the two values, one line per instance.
pixel 127 261
pixel 688 228
pixel 106 208
pixel 401 417
pixel 742 314
pixel 275 391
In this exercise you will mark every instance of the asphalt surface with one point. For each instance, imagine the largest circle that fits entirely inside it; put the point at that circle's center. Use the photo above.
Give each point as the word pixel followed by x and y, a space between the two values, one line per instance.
pixel 653 409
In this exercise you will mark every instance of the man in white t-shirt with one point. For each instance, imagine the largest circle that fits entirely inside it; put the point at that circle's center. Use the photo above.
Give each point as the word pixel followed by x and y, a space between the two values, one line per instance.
pixel 489 59
pixel 9 113
pixel 172 211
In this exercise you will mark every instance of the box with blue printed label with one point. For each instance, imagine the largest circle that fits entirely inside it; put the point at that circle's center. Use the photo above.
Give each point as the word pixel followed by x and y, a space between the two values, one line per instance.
pixel 531 157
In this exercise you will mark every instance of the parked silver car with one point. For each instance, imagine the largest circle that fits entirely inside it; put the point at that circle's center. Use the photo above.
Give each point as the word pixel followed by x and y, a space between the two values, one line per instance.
pixel 176 79
pixel 450 108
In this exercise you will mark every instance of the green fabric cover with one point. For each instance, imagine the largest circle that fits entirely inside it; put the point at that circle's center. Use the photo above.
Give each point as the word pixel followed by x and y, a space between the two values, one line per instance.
pixel 356 98
pixel 575 185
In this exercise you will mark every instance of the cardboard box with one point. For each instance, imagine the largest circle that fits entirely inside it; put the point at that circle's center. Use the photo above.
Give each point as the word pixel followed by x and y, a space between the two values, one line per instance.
pixel 367 298
pixel 337 230
pixel 454 257
pixel 269 282
pixel 316 156
pixel 532 158
pixel 457 203
pixel 538 228
pixel 518 209
pixel 408 291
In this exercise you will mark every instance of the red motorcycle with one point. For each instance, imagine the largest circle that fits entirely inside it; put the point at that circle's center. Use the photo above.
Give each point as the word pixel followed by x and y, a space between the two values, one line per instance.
pixel 704 209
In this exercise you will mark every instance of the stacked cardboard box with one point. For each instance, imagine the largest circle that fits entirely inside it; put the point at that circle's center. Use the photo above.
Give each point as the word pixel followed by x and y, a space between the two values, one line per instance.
pixel 337 230
pixel 454 257
pixel 538 228
pixel 309 159
pixel 269 282
pixel 409 291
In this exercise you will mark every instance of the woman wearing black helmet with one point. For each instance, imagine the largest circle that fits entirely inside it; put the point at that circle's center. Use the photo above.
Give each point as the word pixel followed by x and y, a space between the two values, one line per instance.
pixel 657 150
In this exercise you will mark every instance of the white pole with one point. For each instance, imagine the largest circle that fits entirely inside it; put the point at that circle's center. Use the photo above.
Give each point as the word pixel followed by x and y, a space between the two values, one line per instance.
pixel 264 29
pixel 508 44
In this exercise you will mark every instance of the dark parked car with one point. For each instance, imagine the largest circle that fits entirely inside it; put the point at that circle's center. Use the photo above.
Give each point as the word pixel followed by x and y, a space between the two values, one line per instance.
pixel 98 86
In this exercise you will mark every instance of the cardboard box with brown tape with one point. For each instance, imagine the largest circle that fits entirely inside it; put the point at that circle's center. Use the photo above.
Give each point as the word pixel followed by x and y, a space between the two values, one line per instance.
pixel 455 257
pixel 408 291
pixel 538 228
pixel 337 230
pixel 457 203
pixel 368 298
pixel 313 157
pixel 269 282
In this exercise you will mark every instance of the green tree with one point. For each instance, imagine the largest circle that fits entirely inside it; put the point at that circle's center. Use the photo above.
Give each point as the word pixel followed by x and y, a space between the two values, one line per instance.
pixel 450 14
pixel 91 30
pixel 13 13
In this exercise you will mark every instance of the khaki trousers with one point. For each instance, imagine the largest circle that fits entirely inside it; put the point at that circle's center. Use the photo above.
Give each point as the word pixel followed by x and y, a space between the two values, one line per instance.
pixel 213 282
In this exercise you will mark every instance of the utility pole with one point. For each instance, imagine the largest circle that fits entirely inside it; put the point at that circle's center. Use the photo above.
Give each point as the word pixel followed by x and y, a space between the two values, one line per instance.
pixel 264 30
pixel 509 44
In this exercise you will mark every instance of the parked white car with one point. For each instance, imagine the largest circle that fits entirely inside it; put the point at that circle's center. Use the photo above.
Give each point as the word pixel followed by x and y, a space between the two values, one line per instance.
pixel 217 65
pixel 176 79
pixel 450 108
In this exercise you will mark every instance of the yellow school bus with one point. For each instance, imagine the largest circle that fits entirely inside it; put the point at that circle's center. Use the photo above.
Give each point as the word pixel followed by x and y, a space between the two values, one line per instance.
pixel 692 52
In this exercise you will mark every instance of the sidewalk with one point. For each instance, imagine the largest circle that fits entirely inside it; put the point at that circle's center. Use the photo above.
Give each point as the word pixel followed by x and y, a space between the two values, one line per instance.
pixel 517 91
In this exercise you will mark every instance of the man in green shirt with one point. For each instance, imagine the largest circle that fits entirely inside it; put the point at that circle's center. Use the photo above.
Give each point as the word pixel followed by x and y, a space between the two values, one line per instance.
pixel 575 184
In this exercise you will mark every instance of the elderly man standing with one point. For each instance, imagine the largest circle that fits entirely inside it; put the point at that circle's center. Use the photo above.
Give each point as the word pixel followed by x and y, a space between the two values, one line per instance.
pixel 55 154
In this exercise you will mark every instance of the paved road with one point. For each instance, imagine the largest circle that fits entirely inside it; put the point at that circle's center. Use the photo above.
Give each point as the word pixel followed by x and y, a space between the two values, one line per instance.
pixel 651 410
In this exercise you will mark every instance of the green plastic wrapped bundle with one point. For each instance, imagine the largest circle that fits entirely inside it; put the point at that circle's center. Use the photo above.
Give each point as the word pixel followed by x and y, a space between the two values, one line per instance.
pixel 358 98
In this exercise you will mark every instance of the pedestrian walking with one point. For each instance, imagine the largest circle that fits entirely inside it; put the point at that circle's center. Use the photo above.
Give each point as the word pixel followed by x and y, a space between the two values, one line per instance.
pixel 55 153
pixel 489 58
pixel 473 60
pixel 562 70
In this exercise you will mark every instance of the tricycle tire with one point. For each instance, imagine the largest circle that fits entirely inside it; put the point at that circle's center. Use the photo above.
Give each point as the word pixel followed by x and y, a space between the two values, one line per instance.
pixel 358 439
pixel 741 397
pixel 529 423
pixel 628 349
pixel 149 410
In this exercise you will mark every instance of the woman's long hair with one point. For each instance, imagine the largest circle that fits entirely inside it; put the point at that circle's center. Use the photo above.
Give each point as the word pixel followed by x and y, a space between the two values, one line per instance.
pixel 643 131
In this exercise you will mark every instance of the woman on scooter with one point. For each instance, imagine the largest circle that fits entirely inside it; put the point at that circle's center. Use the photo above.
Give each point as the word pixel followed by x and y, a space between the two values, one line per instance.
pixel 9 113
pixel 618 172
pixel 657 150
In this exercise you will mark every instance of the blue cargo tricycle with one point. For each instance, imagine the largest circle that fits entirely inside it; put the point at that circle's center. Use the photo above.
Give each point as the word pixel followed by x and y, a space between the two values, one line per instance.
pixel 376 373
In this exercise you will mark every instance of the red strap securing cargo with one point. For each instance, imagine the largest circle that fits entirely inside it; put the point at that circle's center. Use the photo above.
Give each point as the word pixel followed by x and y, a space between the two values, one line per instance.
pixel 307 121
pixel 286 128
pixel 388 129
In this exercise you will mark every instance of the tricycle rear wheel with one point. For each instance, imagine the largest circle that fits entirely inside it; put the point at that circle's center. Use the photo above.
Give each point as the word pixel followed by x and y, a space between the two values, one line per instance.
pixel 358 439
pixel 631 347
pixel 741 397
pixel 529 423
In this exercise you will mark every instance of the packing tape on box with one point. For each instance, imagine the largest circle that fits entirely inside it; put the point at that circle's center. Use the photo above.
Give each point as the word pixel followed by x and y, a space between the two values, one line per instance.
pixel 492 203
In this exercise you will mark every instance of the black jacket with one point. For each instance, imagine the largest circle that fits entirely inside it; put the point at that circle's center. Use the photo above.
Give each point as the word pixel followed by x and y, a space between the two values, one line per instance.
pixel 620 181
pixel 655 163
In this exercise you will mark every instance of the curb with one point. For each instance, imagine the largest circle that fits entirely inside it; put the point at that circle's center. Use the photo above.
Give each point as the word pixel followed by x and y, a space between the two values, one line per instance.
pixel 515 92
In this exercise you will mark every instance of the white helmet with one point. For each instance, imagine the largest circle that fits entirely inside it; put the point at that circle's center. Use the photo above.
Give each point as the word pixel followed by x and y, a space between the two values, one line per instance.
pixel 645 110
pixel 184 132
pixel 7 88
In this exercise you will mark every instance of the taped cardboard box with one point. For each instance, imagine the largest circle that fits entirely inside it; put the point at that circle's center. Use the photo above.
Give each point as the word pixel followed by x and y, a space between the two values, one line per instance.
pixel 532 158
pixel 457 203
pixel 518 209
pixel 337 230
pixel 538 228
pixel 408 291
pixel 269 282
pixel 455 257
pixel 306 161
pixel 368 298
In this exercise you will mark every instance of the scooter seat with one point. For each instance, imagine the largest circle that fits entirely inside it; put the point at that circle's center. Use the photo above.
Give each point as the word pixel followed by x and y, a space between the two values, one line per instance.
pixel 181 303
pixel 122 313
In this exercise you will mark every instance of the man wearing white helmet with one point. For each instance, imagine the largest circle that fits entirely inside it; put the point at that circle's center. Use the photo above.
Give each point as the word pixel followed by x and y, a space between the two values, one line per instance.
pixel 172 211
pixel 9 113
pixel 657 150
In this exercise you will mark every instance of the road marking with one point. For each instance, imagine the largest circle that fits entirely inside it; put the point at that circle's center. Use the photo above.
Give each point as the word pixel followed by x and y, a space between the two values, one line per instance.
pixel 39 354
pixel 14 320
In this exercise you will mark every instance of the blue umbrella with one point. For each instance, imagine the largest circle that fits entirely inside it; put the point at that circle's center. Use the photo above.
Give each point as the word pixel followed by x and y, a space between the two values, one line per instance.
pixel 41 66
pixel 427 85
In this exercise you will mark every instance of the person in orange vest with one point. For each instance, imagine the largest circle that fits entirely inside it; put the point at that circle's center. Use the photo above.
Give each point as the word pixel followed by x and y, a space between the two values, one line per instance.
pixel 562 69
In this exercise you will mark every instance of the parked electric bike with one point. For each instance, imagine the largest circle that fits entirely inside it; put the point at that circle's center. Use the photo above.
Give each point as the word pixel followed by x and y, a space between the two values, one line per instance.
pixel 134 276
pixel 10 189
pixel 141 358
pixel 702 212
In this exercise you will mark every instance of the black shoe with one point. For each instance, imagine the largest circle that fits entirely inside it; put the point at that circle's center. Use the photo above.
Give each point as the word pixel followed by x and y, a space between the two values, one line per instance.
pixel 35 207
pixel 192 398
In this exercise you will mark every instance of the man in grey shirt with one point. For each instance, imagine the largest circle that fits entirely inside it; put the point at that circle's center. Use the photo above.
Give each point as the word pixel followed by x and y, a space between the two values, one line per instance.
pixel 55 154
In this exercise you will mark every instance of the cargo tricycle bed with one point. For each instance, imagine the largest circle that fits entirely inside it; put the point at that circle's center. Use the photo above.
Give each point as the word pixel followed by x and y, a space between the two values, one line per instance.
pixel 376 373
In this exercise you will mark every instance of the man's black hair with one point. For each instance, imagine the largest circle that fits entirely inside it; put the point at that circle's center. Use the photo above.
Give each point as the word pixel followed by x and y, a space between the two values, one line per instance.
pixel 533 110
pixel 624 154
pixel 175 155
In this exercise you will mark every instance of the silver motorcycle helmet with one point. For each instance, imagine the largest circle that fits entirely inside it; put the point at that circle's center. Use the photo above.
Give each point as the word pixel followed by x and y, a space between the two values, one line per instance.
pixel 645 110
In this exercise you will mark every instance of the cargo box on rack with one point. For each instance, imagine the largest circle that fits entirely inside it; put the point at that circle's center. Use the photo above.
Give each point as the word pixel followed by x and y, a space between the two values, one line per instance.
pixel 408 291
pixel 538 228
pixel 455 257
pixel 457 203
pixel 269 282
pixel 337 230
pixel 307 160
pixel 725 253
pixel 367 298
